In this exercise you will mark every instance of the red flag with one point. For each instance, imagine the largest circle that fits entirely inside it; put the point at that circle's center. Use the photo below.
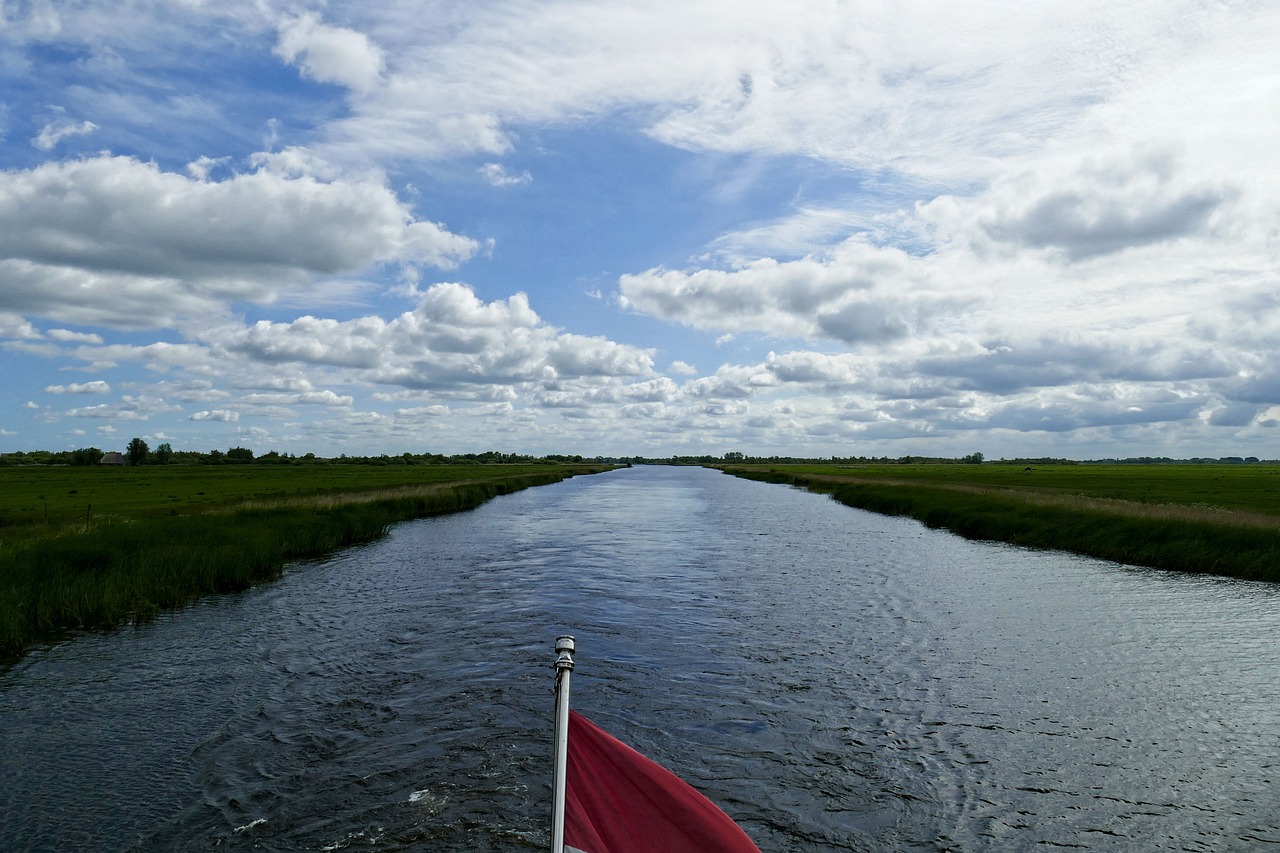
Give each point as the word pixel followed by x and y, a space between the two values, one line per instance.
pixel 618 801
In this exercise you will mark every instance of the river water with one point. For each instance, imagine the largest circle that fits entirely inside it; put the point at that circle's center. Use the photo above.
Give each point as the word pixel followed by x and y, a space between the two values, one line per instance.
pixel 834 679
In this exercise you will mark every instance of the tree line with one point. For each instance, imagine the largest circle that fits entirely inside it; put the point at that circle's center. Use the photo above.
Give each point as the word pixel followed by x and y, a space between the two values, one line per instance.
pixel 138 452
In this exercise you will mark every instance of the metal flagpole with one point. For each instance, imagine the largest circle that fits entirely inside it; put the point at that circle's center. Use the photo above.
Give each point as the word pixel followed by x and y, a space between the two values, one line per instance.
pixel 564 668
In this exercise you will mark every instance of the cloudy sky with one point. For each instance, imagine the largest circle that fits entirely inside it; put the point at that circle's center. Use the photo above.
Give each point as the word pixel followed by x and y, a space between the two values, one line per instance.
pixel 813 227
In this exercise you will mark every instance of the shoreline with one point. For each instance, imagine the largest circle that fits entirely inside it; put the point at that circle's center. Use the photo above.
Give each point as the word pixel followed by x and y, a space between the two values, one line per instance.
pixel 1173 537
pixel 121 570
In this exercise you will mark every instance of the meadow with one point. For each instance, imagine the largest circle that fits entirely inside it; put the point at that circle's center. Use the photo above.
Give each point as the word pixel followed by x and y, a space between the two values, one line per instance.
pixel 1219 519
pixel 92 547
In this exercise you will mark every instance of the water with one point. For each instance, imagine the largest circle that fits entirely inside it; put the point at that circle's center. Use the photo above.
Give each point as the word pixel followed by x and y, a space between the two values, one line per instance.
pixel 835 680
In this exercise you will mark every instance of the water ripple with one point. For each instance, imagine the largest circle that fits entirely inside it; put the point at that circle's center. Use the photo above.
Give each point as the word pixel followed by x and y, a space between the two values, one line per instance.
pixel 835 680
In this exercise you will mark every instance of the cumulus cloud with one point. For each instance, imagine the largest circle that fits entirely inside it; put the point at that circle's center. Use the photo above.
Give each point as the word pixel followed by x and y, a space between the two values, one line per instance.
pixel 178 248
pixel 15 327
pixel 218 415
pixel 97 386
pixel 1017 364
pixel 423 412
pixel 861 294
pixel 326 398
pixel 330 54
pixel 1098 204
pixel 682 368
pixel 68 336
pixel 1053 220
pixel 451 338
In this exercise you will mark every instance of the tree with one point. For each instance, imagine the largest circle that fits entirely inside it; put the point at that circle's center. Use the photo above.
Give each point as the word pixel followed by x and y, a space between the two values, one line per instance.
pixel 137 452
pixel 240 454
pixel 86 456
pixel 164 453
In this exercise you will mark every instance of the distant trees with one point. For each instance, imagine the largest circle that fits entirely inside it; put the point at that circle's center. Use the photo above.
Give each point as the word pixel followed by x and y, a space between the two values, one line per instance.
pixel 86 456
pixel 973 459
pixel 137 452
pixel 164 454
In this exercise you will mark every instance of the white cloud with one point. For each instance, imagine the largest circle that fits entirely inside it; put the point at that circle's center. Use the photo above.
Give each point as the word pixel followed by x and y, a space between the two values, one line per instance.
pixel 68 336
pixel 945 92
pixel 1042 220
pixel 451 338
pixel 14 327
pixel 124 412
pixel 218 415
pixel 1090 205
pixel 178 248
pixel 326 398
pixel 861 294
pixel 682 368
pixel 423 412
pixel 95 387
pixel 202 166
pixel 330 54
pixel 498 176
pixel 806 231
pixel 54 132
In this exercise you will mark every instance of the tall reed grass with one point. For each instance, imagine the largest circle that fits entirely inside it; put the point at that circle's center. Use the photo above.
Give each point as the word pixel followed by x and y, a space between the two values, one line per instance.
pixel 121 570
pixel 1214 543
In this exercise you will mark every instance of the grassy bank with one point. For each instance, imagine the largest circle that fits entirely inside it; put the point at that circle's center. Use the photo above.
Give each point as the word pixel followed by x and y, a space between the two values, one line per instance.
pixel 1195 518
pixel 130 553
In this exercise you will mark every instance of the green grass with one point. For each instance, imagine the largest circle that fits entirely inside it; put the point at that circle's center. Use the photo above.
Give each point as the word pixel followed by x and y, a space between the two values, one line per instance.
pixel 139 556
pixel 36 496
pixel 1196 518
pixel 1246 488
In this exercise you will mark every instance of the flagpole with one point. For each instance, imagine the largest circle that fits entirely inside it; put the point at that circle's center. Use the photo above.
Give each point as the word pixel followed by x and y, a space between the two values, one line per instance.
pixel 564 668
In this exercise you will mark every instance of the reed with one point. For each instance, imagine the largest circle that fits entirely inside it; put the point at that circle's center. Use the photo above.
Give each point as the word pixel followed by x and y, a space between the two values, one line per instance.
pixel 129 569
pixel 1189 539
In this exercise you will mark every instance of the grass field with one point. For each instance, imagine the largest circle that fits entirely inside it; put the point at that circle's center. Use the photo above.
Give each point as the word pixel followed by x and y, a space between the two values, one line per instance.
pixel 91 547
pixel 1221 519
pixel 57 496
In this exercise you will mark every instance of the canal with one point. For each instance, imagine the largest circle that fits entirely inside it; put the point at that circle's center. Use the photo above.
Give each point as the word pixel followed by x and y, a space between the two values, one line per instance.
pixel 833 679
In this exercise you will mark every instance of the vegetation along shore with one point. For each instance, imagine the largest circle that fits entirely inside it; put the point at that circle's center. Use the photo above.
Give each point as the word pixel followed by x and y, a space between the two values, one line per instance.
pixel 94 546
pixel 1219 519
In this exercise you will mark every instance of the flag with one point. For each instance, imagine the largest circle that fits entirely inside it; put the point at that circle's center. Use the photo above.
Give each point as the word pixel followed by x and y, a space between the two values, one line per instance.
pixel 618 801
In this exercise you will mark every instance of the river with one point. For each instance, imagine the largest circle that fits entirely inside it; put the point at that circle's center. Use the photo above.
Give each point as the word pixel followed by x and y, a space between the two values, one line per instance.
pixel 835 680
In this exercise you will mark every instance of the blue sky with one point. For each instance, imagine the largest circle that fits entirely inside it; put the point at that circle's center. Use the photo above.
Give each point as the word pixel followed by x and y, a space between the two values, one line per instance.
pixel 650 228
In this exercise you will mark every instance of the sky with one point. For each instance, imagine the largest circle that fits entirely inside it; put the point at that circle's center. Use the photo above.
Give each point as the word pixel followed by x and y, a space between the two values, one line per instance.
pixel 661 227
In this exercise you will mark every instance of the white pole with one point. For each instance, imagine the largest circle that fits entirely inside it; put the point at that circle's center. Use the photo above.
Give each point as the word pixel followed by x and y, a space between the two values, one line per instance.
pixel 564 668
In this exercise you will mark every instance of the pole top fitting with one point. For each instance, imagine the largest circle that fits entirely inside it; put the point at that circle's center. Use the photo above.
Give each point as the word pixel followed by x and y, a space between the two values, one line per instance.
pixel 564 653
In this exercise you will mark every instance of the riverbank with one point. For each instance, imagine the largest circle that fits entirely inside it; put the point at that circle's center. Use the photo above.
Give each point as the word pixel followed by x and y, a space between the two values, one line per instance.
pixel 130 553
pixel 1221 520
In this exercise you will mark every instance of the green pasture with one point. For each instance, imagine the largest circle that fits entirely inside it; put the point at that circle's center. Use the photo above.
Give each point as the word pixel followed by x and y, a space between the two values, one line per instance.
pixel 56 496
pixel 1245 488
pixel 156 538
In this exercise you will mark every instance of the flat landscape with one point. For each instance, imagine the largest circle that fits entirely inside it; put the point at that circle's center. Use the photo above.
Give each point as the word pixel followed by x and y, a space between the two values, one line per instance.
pixel 1251 489
pixel 33 497
pixel 91 547
pixel 1221 519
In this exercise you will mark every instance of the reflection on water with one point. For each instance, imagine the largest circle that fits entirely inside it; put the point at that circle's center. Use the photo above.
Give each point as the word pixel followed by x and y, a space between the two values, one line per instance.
pixel 836 680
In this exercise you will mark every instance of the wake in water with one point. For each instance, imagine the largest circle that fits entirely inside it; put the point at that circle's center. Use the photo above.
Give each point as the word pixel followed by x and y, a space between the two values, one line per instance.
pixel 833 680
